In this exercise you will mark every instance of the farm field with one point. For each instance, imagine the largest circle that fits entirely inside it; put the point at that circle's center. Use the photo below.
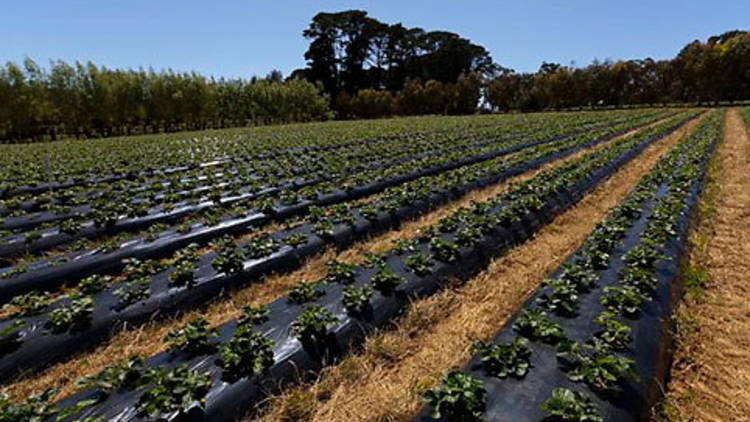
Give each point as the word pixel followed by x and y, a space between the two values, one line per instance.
pixel 491 267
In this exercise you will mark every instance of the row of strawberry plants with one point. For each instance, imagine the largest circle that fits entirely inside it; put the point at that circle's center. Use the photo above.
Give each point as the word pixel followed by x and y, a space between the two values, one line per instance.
pixel 191 186
pixel 219 378
pixel 41 163
pixel 592 343
pixel 42 274
pixel 47 166
pixel 109 218
pixel 195 279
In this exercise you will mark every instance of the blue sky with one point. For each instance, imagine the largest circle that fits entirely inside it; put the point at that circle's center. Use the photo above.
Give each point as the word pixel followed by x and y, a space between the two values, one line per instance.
pixel 245 38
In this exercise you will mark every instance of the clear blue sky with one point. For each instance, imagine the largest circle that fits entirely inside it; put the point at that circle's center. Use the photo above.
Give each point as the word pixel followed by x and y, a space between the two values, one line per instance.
pixel 245 38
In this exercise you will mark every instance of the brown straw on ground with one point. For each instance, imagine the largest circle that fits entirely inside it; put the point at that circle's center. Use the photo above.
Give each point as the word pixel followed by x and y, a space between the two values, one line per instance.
pixel 385 381
pixel 711 369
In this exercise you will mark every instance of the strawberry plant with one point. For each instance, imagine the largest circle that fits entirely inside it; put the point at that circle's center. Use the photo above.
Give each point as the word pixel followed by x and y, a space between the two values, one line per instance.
pixel 245 354
pixel 614 334
pixel 340 272
pixel 534 324
pixel 76 313
pixel 118 376
pixel 296 240
pixel 563 297
pixel 625 300
pixel 505 359
pixel 183 274
pixel 571 406
pixel 385 280
pixel 443 250
pixel 37 408
pixel 313 323
pixel 305 292
pixel 194 338
pixel 171 390
pixel 357 299
pixel 254 315
pixel 133 291
pixel 230 259
pixel 402 246
pixel 261 247
pixel 601 369
pixel 419 264
pixel 10 336
pixel 94 284
pixel 459 398
pixel 32 303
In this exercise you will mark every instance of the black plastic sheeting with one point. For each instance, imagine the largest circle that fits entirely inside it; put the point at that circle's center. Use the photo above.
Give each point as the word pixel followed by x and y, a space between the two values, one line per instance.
pixel 90 262
pixel 228 400
pixel 39 349
pixel 513 399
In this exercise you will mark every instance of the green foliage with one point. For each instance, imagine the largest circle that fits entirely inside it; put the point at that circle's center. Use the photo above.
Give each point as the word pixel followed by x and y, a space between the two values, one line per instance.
pixel 305 292
pixel 313 323
pixel 183 274
pixel 506 359
pixel 175 390
pixel 534 324
pixel 32 303
pixel 134 290
pixel 36 409
pixel 340 272
pixel 254 315
pixel 460 398
pixel 571 406
pixel 246 353
pixel 357 299
pixel 77 312
pixel 229 260
pixel 120 375
pixel 601 369
pixel 443 250
pixel 622 300
pixel 194 337
pixel 562 298
pixel 385 280
pixel 419 264
pixel 10 335
pixel 94 284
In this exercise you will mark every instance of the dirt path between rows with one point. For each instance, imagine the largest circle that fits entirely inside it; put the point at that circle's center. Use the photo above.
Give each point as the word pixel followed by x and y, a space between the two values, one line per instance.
pixel 385 381
pixel 146 340
pixel 711 370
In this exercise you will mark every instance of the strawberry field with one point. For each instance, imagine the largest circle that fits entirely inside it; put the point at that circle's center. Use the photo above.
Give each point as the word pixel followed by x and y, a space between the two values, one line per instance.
pixel 216 275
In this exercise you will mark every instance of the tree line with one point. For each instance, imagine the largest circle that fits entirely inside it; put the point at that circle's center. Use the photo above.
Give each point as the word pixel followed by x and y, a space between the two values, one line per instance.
pixel 373 69
pixel 85 100
pixel 356 67
pixel 701 73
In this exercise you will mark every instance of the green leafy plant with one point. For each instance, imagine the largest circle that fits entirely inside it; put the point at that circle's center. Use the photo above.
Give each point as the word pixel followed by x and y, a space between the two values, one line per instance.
pixel 443 250
pixel 121 375
pixel 296 240
pixel 313 323
pixel 571 406
pixel 254 315
pixel 459 398
pixel 357 299
pixel 134 290
pixel 419 264
pixel 194 338
pixel 10 335
pixel 534 324
pixel 176 390
pixel 580 276
pixel 614 334
pixel 385 280
pixel 76 313
pixel 32 303
pixel 261 246
pixel 37 408
pixel 246 353
pixel 625 300
pixel 402 246
pixel 94 284
pixel 183 274
pixel 229 260
pixel 340 272
pixel 601 369
pixel 562 298
pixel 506 359
pixel 305 292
